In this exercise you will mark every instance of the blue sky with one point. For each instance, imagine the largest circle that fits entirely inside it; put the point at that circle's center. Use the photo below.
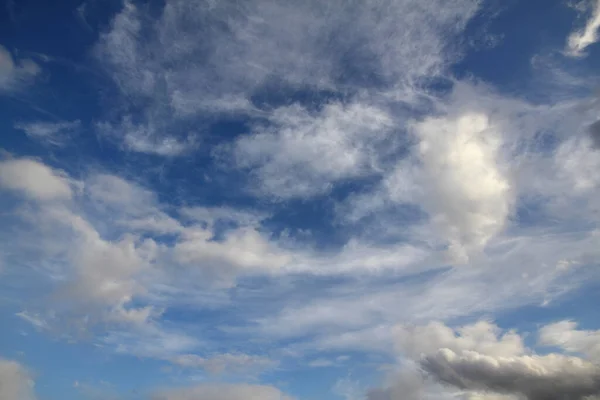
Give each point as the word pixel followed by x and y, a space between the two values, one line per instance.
pixel 346 200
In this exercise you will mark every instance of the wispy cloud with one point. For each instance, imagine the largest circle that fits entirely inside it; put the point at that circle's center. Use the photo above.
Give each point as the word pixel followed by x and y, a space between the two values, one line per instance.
pixel 299 154
pixel 51 133
pixel 199 58
pixel 231 363
pixel 15 73
pixel 451 199
pixel 581 39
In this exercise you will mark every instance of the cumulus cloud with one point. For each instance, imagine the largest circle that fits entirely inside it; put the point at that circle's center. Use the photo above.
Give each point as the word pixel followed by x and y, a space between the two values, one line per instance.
pixel 468 194
pixel 223 392
pixel 51 133
pixel 14 74
pixel 478 359
pixel 581 39
pixel 16 382
pixel 536 377
pixel 100 276
pixel 34 179
pixel 482 337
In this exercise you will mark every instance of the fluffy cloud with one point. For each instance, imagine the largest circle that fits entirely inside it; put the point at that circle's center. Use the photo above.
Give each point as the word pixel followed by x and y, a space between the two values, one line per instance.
pixel 16 382
pixel 15 73
pixel 34 179
pixel 479 360
pixel 482 337
pixel 100 276
pixel 564 334
pixel 468 194
pixel 579 40
pixel 223 392
pixel 51 133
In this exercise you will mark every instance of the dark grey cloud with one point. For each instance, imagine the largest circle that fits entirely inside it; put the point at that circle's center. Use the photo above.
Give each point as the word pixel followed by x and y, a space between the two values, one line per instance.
pixel 594 132
pixel 550 377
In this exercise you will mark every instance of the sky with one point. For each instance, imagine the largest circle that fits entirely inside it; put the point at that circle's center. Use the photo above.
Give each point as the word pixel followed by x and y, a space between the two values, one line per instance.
pixel 299 200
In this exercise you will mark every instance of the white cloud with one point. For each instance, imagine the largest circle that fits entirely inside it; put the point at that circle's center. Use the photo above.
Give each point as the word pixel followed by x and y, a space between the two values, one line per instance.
pixel 467 194
pixel 359 311
pixel 226 363
pixel 210 215
pixel 564 334
pixel 300 154
pixel 104 255
pixel 121 256
pixel 102 272
pixel 14 74
pixel 348 389
pixel 51 133
pixel 34 179
pixel 482 337
pixel 146 138
pixel 222 392
pixel 581 39
pixel 285 40
pixel 150 340
pixel 196 58
pixel 243 249
pixel 577 162
pixel 16 382
pixel 119 195
pixel 33 319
